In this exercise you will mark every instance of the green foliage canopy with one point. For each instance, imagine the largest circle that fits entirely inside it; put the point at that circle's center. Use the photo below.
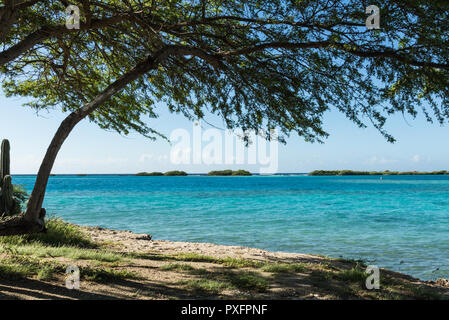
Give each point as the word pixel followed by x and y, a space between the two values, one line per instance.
pixel 257 64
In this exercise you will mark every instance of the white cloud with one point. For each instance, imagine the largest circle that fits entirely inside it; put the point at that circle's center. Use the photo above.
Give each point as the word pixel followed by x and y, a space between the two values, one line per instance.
pixel 85 161
pixel 145 157
pixel 25 164
pixel 420 159
pixel 381 160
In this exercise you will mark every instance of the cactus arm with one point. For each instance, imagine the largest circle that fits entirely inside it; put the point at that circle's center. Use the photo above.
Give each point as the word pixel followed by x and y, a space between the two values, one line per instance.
pixel 7 195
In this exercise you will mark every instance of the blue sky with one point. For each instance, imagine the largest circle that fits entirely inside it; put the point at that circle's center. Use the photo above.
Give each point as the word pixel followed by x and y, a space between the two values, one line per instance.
pixel 89 149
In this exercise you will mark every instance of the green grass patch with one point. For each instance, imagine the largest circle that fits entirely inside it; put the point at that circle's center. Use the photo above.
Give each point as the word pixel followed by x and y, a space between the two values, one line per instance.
pixel 148 256
pixel 106 274
pixel 177 267
pixel 423 293
pixel 206 285
pixel 239 263
pixel 357 262
pixel 284 267
pixel 61 240
pixel 40 250
pixel 351 275
pixel 17 267
pixel 228 262
pixel 59 233
pixel 214 282
pixel 188 257
pixel 47 272
pixel 249 281
pixel 193 257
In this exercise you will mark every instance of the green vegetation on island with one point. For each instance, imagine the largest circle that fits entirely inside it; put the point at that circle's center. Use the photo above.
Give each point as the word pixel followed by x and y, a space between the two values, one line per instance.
pixel 374 173
pixel 229 173
pixel 149 174
pixel 175 173
pixel 158 174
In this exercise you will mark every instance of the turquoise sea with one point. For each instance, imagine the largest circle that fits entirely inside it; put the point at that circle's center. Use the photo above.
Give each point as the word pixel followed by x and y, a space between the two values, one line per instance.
pixel 400 222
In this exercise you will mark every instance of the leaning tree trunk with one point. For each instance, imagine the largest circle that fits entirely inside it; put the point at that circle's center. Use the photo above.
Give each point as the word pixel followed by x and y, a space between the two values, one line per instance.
pixel 32 220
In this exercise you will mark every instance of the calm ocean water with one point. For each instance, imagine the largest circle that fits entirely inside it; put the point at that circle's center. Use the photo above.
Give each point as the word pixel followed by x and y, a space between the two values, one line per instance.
pixel 399 223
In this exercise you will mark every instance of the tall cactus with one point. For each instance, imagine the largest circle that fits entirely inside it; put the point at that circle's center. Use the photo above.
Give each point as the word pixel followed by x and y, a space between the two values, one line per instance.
pixel 4 161
pixel 6 193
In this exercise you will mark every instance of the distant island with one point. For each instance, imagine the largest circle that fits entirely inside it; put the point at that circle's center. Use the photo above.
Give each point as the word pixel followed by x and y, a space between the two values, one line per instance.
pixel 373 173
pixel 168 173
pixel 144 174
pixel 183 173
pixel 229 173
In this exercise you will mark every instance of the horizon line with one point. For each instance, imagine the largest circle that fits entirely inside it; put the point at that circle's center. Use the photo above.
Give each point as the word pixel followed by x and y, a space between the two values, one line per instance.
pixel 133 174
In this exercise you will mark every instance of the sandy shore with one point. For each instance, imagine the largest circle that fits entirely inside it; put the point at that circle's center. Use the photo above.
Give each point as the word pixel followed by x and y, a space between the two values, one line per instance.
pixel 132 242
pixel 133 266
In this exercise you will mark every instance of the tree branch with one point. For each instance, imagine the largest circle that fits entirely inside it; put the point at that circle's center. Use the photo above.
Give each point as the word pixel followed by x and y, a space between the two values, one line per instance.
pixel 391 54
pixel 26 4
pixel 275 45
pixel 46 32
pixel 37 196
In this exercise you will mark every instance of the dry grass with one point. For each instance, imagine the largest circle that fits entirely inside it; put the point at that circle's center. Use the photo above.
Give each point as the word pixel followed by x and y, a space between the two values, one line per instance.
pixel 108 272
